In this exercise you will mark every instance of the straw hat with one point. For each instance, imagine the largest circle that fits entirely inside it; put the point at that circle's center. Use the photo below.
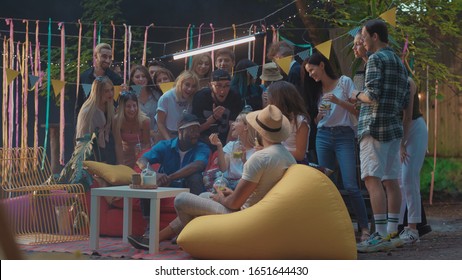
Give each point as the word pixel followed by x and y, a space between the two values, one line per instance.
pixel 270 72
pixel 270 123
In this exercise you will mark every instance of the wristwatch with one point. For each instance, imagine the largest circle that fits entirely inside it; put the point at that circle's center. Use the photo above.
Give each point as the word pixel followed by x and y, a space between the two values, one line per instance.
pixel 358 94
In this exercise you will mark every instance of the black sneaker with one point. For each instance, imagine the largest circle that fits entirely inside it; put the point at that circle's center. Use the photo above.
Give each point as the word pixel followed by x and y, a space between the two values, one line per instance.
pixel 139 242
pixel 424 230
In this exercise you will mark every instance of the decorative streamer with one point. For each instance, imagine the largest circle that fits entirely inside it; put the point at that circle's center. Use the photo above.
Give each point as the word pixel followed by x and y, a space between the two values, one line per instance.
pixel 186 47
pixel 253 45
pixel 435 134
pixel 234 35
pixel 191 43
pixel 62 117
pixel 275 35
pixel 125 54
pixel 47 119
pixel 213 41
pixel 37 73
pixel 249 49
pixel 5 96
pixel 129 48
pixel 406 44
pixel 113 36
pixel 79 46
pixel 11 99
pixel 143 61
pixel 99 32
pixel 25 83
pixel 94 39
pixel 18 61
pixel 199 36
pixel 263 27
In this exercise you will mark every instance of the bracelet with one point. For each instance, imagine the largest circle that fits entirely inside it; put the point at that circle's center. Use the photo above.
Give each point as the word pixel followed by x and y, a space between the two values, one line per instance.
pixel 358 94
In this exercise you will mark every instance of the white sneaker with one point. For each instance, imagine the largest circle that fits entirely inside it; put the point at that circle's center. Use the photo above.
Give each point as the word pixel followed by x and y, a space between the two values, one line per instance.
pixel 409 235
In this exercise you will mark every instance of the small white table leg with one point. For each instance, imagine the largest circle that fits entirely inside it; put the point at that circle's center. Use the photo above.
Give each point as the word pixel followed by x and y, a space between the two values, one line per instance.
pixel 154 226
pixel 94 222
pixel 127 219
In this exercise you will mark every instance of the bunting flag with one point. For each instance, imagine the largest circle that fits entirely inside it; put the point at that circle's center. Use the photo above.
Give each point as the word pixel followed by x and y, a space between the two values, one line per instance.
pixel 137 89
pixel 117 90
pixel 253 71
pixel 86 89
pixel 11 75
pixel 304 46
pixel 354 31
pixel 325 48
pixel 32 81
pixel 164 87
pixel 390 16
pixel 57 86
pixel 284 63
pixel 305 54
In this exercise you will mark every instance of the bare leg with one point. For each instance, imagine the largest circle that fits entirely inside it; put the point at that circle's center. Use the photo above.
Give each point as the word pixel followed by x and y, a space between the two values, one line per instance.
pixel 377 195
pixel 393 195
pixel 166 234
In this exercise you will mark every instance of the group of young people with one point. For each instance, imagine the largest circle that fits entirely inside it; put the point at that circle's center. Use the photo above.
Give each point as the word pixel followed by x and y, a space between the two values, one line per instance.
pixel 257 131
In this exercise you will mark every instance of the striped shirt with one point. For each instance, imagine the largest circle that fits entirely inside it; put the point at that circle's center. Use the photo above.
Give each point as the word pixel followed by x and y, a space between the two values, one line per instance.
pixel 387 86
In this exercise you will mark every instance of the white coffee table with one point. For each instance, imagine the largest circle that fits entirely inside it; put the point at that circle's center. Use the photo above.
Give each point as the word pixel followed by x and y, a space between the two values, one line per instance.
pixel 128 194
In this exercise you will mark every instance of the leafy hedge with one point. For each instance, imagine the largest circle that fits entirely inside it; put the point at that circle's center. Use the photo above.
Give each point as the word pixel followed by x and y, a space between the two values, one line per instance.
pixel 448 177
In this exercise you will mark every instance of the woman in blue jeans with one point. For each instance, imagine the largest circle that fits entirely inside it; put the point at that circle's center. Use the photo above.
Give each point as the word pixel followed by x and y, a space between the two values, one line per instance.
pixel 335 138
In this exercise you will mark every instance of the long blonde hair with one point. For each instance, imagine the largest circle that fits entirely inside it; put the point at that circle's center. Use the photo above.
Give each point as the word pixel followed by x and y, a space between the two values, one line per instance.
pixel 119 118
pixel 186 74
pixel 252 134
pixel 91 104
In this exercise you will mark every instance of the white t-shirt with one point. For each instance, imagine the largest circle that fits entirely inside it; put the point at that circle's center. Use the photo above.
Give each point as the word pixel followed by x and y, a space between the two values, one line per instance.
pixel 266 167
pixel 338 116
pixel 173 108
pixel 235 164
pixel 291 142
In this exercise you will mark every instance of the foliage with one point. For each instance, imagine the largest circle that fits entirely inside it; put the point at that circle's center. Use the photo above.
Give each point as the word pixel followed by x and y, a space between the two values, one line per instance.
pixel 448 177
pixel 432 27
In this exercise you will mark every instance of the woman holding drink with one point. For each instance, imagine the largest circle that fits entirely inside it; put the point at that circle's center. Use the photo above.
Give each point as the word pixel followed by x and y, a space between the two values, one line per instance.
pixel 335 139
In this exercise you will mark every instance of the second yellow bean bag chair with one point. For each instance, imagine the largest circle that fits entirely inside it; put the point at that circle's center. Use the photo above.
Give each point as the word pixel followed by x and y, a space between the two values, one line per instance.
pixel 302 217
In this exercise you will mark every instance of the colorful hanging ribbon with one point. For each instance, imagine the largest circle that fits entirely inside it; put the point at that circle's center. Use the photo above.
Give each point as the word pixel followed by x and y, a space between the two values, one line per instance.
pixel 186 47
pixel 47 118
pixel 253 44
pixel 36 73
pixel 99 32
pixel 275 35
pixel 143 61
pixel 234 35
pixel 5 96
pixel 62 117
pixel 191 43
pixel 263 27
pixel 11 98
pixel 129 49
pixel 94 40
pixel 199 36
pixel 249 50
pixel 213 41
pixel 113 36
pixel 18 62
pixel 25 85
pixel 125 53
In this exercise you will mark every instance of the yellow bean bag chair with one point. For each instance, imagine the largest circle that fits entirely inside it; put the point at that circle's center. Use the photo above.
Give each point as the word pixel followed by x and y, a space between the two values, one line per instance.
pixel 302 217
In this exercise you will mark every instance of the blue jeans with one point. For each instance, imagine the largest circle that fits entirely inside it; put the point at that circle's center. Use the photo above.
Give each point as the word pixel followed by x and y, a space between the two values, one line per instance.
pixel 338 143
pixel 193 182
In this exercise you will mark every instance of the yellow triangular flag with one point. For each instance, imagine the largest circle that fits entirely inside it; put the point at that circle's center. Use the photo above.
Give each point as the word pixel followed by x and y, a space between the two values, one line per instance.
pixel 117 90
pixel 284 63
pixel 164 87
pixel 10 75
pixel 390 16
pixel 57 86
pixel 324 48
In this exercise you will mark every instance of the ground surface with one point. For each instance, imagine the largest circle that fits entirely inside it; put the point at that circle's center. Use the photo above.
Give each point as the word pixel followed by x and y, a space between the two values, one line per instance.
pixel 443 243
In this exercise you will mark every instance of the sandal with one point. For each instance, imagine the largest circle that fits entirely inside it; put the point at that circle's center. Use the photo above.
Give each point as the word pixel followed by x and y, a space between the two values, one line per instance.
pixel 365 236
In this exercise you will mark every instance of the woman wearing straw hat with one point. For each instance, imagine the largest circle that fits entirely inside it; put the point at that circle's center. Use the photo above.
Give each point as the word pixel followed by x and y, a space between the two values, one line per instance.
pixel 270 74
pixel 261 172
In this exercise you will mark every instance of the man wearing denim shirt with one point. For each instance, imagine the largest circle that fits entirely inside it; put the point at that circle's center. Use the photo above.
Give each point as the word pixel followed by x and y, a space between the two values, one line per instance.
pixel 380 131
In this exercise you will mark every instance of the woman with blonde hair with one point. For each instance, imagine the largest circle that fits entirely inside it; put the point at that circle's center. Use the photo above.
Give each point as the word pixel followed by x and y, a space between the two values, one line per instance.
pixel 202 66
pixel 131 129
pixel 96 116
pixel 234 154
pixel 174 102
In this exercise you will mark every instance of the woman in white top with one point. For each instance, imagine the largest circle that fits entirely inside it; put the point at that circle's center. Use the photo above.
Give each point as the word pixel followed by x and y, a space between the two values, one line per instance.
pixel 234 154
pixel 335 139
pixel 285 96
pixel 174 102
pixel 97 114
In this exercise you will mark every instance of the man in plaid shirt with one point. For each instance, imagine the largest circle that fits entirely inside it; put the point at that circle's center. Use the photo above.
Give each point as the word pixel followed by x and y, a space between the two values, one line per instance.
pixel 380 131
